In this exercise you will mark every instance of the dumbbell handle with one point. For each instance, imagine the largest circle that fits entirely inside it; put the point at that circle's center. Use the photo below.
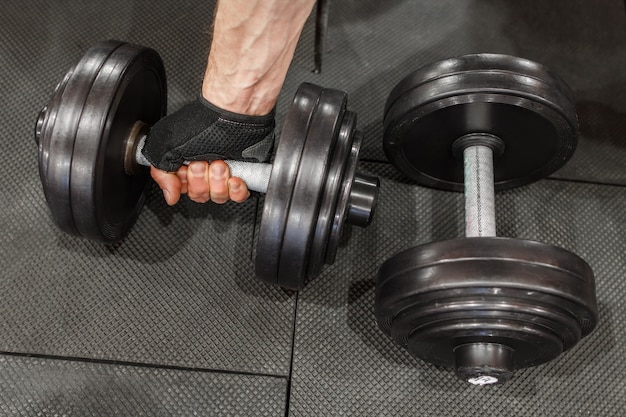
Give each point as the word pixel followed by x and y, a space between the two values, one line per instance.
pixel 480 211
pixel 255 174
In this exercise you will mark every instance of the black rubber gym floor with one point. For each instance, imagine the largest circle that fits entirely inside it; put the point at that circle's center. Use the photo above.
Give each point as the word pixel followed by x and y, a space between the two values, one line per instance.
pixel 172 320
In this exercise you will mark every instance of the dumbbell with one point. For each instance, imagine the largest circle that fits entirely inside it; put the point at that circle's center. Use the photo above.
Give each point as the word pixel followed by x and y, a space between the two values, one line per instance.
pixel 91 132
pixel 483 305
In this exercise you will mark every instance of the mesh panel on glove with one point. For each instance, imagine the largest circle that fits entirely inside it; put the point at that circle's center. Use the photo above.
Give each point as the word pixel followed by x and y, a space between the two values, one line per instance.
pixel 200 131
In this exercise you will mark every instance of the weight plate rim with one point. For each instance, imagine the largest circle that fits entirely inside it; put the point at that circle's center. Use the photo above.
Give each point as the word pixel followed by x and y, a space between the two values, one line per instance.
pixel 59 138
pixel 47 116
pixel 333 190
pixel 397 270
pixel 478 62
pixel 308 188
pixel 113 81
pixel 341 213
pixel 282 179
pixel 488 305
pixel 479 81
pixel 478 303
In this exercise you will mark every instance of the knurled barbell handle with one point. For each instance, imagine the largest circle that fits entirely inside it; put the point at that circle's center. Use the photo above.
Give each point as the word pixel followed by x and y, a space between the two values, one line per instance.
pixel 480 211
pixel 256 175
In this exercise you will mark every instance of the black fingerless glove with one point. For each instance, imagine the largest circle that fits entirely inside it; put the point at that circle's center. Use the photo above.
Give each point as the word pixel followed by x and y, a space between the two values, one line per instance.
pixel 200 131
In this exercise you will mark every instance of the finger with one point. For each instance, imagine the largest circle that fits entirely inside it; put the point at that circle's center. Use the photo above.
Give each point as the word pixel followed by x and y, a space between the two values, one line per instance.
pixel 182 176
pixel 219 173
pixel 198 188
pixel 238 190
pixel 169 183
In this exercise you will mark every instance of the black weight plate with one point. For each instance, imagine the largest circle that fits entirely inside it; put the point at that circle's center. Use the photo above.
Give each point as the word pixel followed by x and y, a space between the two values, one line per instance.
pixel 534 298
pixel 480 62
pixel 130 87
pixel 308 189
pixel 282 179
pixel 521 102
pixel 334 187
pixel 56 132
pixel 341 212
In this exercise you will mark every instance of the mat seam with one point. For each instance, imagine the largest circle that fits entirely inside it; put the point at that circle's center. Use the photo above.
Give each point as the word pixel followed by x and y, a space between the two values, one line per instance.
pixel 131 364
pixel 293 351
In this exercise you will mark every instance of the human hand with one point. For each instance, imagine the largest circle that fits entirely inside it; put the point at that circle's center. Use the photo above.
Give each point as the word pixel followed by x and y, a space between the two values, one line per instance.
pixel 202 182
pixel 200 131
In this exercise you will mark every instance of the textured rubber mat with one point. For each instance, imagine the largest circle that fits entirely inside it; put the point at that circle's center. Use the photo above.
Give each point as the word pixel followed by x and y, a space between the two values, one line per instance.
pixel 177 298
pixel 372 45
pixel 48 387
pixel 365 374
pixel 180 290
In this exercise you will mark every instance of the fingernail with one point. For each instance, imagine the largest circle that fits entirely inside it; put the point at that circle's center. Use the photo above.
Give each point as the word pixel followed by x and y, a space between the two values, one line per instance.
pixel 197 170
pixel 235 186
pixel 218 170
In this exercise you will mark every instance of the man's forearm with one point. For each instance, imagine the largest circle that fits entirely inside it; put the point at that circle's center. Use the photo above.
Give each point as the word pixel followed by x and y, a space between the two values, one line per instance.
pixel 252 47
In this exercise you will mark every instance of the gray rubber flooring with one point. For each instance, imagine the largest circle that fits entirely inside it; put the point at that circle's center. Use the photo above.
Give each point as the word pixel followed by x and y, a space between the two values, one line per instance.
pixel 172 320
